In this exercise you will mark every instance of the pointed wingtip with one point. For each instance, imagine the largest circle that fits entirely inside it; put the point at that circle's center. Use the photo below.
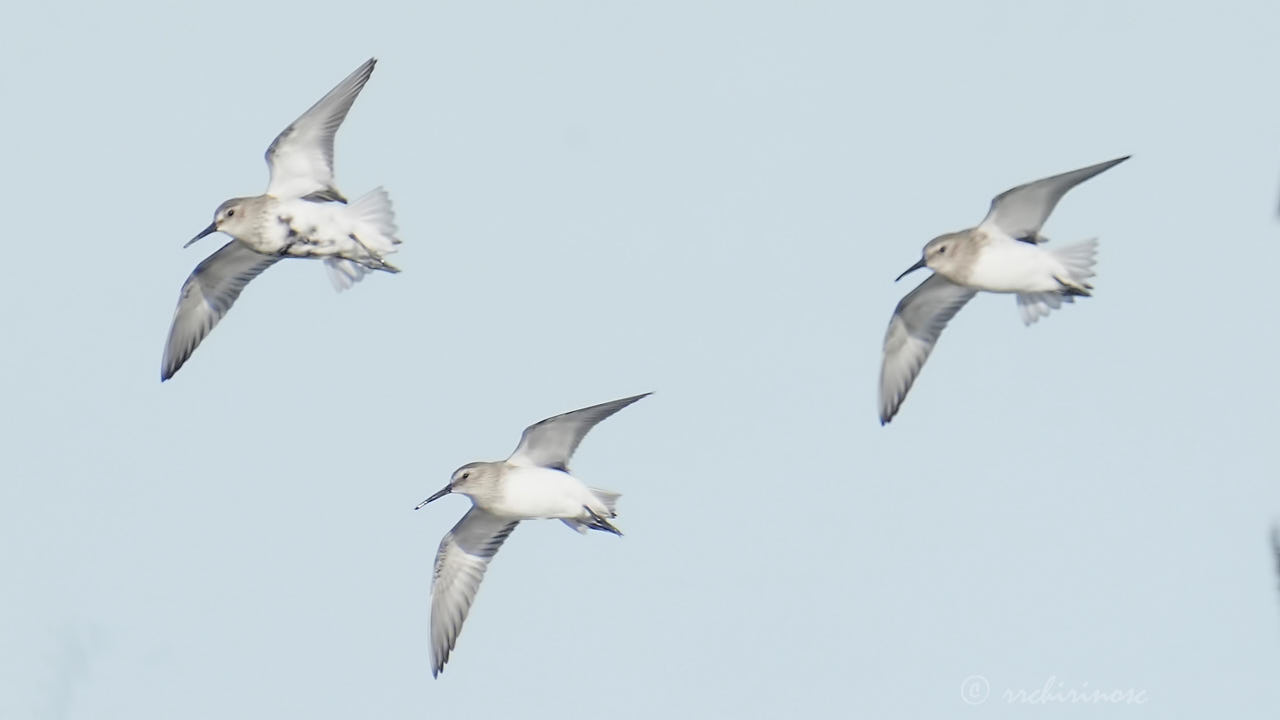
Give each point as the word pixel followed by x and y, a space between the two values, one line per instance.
pixel 1099 168
pixel 624 402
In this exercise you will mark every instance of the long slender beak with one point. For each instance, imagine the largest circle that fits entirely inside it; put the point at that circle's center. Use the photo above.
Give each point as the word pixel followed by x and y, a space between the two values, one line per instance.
pixel 213 228
pixel 919 264
pixel 447 489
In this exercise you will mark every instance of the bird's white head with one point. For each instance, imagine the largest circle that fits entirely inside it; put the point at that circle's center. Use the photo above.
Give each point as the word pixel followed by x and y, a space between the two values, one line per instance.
pixel 944 254
pixel 233 217
pixel 473 479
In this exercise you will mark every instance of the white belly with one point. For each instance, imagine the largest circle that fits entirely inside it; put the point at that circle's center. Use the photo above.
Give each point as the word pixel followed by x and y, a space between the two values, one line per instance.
pixel 1012 266
pixel 541 493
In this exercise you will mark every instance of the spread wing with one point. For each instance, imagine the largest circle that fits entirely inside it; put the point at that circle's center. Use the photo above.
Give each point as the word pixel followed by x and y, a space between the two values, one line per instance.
pixel 1020 212
pixel 206 296
pixel 301 157
pixel 913 331
pixel 551 443
pixel 1275 545
pixel 463 557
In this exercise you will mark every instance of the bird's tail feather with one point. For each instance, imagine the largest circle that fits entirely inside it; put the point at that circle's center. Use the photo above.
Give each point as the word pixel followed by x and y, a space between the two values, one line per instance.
pixel 344 273
pixel 1078 259
pixel 376 220
pixel 599 521
pixel 1034 306
pixel 608 499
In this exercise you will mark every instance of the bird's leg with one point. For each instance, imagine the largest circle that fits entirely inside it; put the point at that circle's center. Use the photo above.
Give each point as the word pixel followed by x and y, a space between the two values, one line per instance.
pixel 365 248
pixel 1074 289
pixel 600 523
pixel 374 262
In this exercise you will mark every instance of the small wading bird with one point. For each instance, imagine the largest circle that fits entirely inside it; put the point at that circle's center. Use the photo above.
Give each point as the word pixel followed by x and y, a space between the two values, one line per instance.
pixel 1003 254
pixel 533 483
pixel 302 215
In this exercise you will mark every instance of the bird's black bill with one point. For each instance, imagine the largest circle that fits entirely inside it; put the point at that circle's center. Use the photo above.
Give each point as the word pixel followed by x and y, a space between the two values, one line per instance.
pixel 447 489
pixel 919 264
pixel 213 228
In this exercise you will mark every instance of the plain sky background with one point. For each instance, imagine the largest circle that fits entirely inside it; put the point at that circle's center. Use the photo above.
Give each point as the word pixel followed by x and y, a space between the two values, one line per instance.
pixel 706 200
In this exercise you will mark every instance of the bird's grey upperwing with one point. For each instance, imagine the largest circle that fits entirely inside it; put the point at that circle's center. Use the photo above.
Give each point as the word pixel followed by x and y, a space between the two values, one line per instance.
pixel 301 157
pixel 206 296
pixel 464 555
pixel 1020 212
pixel 913 331
pixel 551 442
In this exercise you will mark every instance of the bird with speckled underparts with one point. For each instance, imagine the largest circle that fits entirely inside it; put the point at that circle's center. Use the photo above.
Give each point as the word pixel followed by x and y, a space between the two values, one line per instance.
pixel 301 215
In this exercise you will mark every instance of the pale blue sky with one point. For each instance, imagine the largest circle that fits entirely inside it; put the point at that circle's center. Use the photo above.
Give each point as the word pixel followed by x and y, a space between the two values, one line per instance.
pixel 707 200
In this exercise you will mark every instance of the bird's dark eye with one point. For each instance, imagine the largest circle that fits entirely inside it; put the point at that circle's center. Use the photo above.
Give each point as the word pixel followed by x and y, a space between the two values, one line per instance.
pixel 231 212
pixel 466 475
pixel 942 250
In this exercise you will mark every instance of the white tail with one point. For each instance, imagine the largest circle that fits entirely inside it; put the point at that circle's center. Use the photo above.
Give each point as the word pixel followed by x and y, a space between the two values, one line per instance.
pixel 1034 306
pixel 1078 259
pixel 344 273
pixel 372 228
pixel 610 502
pixel 608 499
pixel 375 222
pixel 373 209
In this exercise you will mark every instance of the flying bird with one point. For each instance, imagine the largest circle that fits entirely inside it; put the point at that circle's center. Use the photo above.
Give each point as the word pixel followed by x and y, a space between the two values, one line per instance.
pixel 301 215
pixel 1005 253
pixel 534 482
